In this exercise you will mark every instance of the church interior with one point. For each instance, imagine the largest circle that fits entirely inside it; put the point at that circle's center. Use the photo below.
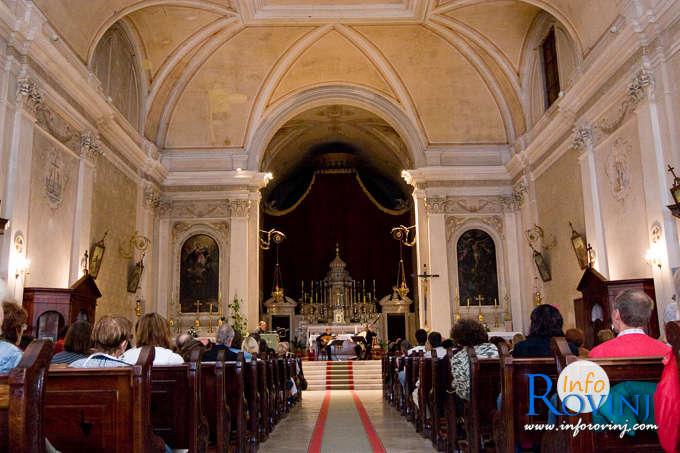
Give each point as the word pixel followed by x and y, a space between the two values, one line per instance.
pixel 334 179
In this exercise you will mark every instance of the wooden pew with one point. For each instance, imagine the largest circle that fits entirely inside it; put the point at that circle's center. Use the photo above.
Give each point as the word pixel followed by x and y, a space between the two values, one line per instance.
pixel 508 423
pixel 214 399
pixel 235 388
pixel 408 390
pixel 176 405
pixel 265 422
pixel 253 403
pixel 282 387
pixel 485 386
pixel 425 377
pixel 21 401
pixel 397 389
pixel 441 383
pixel 644 369
pixel 101 409
pixel 272 384
pixel 673 337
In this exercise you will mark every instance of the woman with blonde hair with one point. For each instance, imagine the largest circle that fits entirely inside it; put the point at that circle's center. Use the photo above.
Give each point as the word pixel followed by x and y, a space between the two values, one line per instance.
pixel 250 345
pixel 153 330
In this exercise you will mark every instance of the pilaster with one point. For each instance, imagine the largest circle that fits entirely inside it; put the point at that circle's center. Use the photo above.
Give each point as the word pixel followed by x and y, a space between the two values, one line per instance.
pixel 81 240
pixel 15 200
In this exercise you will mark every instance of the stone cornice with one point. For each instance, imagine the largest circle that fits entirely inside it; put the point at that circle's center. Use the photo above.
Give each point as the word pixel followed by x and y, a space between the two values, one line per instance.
pixel 458 173
pixel 248 178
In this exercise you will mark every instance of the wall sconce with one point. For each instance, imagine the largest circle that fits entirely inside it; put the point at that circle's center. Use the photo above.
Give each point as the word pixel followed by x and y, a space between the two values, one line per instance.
pixel 652 257
pixel 4 223
pixel 23 267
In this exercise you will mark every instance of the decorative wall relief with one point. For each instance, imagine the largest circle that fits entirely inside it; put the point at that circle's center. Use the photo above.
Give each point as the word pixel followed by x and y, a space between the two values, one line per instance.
pixel 477 268
pixel 199 273
pixel 465 205
pixel 453 223
pixel 55 179
pixel 618 168
pixel 194 209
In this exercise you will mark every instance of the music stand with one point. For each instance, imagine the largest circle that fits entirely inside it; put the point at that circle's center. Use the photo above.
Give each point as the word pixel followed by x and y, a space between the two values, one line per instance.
pixel 336 342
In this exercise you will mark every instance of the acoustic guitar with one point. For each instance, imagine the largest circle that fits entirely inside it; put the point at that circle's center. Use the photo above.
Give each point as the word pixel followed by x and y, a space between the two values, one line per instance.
pixel 325 339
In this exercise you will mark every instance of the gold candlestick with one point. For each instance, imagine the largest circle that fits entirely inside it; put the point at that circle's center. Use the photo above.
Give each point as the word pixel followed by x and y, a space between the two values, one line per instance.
pixel 210 329
pixel 479 300
pixel 138 308
pixel 507 305
pixel 457 304
pixel 197 323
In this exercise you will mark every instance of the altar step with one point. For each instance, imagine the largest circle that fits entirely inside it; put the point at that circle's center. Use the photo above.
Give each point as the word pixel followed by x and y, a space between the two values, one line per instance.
pixel 343 375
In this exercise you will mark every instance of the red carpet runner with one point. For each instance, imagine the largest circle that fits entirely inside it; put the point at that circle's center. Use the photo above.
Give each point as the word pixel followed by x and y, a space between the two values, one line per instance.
pixel 344 433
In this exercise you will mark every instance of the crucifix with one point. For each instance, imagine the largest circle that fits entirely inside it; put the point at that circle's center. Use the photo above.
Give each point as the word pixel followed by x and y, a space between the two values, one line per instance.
pixel 591 258
pixel 426 288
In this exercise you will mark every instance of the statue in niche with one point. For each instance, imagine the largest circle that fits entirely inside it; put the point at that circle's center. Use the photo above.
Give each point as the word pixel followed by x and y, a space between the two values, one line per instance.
pixel 477 273
pixel 199 273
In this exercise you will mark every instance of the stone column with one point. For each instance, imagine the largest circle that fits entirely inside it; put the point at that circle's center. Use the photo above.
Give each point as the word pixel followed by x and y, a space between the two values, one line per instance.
pixel 422 247
pixel 240 249
pixel 592 212
pixel 81 240
pixel 438 311
pixel 513 239
pixel 15 199
pixel 146 226
pixel 254 281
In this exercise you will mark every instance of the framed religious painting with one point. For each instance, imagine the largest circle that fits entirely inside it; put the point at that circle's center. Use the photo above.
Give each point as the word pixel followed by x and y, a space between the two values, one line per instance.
pixel 542 267
pixel 96 257
pixel 135 276
pixel 580 248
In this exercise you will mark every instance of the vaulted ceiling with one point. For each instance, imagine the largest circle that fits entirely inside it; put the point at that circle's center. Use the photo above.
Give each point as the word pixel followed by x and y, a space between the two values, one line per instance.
pixel 214 68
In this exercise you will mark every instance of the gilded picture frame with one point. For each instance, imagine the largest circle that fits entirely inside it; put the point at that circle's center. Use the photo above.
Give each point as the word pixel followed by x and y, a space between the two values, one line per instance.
pixel 542 267
pixel 96 258
pixel 135 276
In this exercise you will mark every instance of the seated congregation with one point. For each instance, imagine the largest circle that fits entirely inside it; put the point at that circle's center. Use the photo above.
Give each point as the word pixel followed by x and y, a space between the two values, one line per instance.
pixel 112 387
pixel 482 394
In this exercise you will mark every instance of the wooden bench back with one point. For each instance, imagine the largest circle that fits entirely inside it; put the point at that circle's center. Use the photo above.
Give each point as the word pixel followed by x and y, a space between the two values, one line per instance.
pixel 235 388
pixel 515 397
pixel 621 369
pixel 176 404
pixel 101 409
pixel 485 386
pixel 21 401
pixel 214 399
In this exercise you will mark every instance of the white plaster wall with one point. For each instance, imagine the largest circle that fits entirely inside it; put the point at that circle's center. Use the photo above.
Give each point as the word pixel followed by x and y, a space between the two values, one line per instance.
pixel 50 227
pixel 624 219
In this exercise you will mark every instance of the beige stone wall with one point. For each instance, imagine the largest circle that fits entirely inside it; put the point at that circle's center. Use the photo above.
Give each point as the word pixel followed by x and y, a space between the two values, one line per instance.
pixel 559 200
pixel 113 210
pixel 50 228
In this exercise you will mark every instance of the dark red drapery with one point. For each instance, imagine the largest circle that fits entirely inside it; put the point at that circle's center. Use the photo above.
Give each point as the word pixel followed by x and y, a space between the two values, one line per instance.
pixel 336 210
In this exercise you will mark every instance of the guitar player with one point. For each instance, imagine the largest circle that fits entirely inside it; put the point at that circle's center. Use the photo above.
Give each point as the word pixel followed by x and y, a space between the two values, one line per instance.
pixel 323 342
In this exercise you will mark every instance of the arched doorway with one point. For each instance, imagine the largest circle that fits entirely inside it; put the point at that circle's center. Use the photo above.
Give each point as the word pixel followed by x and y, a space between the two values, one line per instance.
pixel 337 184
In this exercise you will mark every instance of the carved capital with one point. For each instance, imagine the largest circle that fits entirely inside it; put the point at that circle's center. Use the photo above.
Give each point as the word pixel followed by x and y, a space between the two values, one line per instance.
pixel 90 148
pixel 152 196
pixel 636 90
pixel 239 207
pixel 29 95
pixel 583 135
pixel 435 205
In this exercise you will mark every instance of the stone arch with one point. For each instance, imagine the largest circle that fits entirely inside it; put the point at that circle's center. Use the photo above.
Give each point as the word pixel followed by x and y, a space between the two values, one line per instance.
pixel 362 97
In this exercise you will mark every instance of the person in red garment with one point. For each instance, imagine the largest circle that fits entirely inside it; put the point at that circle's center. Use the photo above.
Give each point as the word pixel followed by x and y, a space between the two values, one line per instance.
pixel 632 310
